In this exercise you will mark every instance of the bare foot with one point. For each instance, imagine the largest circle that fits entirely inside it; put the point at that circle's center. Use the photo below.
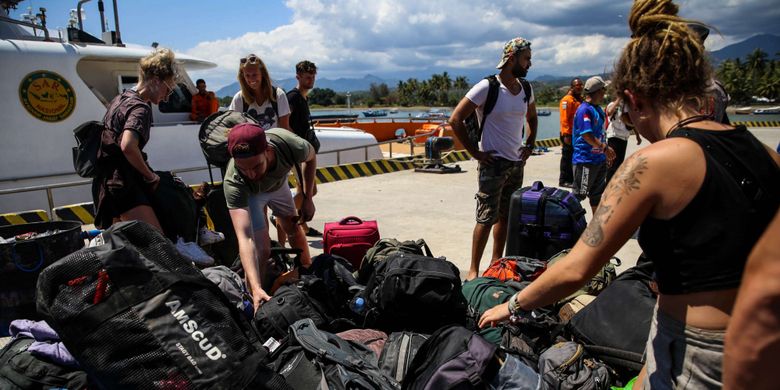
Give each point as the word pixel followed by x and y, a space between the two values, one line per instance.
pixel 472 275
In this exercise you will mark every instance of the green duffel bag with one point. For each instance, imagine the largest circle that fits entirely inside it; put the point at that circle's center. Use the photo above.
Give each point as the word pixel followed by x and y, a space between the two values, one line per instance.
pixel 482 294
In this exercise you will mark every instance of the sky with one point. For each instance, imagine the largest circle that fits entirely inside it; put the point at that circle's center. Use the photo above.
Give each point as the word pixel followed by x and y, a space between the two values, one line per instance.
pixel 399 38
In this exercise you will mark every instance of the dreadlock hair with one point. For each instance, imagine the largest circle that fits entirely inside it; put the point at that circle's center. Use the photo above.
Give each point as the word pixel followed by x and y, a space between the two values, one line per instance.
pixel 665 58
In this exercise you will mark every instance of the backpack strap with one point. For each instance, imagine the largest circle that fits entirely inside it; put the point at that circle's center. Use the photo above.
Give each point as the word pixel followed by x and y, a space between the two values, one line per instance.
pixel 490 102
pixel 526 88
pixel 289 157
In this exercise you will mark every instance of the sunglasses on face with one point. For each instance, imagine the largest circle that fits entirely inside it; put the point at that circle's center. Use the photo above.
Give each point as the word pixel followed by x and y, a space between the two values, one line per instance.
pixel 171 88
pixel 250 59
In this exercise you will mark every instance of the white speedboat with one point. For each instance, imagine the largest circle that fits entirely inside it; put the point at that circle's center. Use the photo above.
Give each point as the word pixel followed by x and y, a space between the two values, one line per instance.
pixel 50 84
pixel 767 111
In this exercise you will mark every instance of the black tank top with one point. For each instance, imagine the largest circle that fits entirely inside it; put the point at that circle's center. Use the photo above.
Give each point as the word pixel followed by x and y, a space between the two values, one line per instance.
pixel 706 245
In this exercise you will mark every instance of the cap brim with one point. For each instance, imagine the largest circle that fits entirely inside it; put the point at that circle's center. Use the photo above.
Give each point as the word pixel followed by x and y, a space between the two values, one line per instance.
pixel 502 63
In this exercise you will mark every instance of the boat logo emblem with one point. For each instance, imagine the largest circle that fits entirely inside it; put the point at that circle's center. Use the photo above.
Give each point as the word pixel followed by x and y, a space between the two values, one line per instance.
pixel 47 96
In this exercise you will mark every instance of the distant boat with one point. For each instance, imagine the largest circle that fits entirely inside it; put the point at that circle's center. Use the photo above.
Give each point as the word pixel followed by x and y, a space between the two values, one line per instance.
pixel 433 113
pixel 374 113
pixel 543 112
pixel 393 111
pixel 743 110
pixel 766 111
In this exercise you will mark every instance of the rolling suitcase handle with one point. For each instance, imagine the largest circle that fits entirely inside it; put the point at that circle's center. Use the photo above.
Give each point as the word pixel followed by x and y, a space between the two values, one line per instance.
pixel 351 220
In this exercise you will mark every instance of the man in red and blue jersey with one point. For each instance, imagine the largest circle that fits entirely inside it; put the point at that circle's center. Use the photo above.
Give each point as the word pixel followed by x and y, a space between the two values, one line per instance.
pixel 592 155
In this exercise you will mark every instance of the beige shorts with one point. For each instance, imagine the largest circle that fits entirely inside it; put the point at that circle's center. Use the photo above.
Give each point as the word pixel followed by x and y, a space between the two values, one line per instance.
pixel 680 356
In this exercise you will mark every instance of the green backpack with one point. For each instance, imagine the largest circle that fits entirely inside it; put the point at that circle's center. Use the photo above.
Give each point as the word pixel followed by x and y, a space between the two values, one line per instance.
pixel 596 284
pixel 384 248
pixel 482 294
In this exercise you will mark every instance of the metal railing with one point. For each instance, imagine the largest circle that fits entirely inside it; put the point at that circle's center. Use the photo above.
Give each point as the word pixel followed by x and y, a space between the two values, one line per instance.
pixel 48 188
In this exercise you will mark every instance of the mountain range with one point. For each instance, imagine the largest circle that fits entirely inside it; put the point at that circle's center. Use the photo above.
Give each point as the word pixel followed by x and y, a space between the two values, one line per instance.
pixel 766 42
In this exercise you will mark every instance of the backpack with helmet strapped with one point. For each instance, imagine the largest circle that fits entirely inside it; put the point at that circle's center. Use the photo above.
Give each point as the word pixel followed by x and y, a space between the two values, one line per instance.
pixel 213 135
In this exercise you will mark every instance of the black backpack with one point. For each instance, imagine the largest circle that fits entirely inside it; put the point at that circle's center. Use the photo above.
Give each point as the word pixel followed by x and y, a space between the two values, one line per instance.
pixel 473 126
pixel 385 247
pixel 293 302
pixel 136 314
pixel 175 207
pixel 453 358
pixel 85 153
pixel 414 292
pixel 22 370
pixel 314 359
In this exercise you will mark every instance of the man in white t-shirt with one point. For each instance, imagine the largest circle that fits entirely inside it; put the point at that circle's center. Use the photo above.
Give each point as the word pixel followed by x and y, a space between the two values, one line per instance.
pixel 501 152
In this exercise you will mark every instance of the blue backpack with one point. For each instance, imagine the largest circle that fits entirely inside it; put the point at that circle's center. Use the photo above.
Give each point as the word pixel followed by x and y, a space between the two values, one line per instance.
pixel 543 221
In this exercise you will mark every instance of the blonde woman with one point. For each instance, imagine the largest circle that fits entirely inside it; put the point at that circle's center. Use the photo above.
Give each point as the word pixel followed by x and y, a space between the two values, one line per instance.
pixel 258 97
pixel 121 191
pixel 703 193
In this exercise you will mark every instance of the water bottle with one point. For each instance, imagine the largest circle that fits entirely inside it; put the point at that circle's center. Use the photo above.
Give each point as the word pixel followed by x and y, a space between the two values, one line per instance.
pixel 358 305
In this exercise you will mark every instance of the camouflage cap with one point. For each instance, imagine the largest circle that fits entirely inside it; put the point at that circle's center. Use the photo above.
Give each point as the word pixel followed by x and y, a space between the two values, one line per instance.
pixel 513 46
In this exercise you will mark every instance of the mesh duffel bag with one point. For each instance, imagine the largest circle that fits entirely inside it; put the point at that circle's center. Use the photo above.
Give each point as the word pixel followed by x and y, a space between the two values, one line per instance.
pixel 136 314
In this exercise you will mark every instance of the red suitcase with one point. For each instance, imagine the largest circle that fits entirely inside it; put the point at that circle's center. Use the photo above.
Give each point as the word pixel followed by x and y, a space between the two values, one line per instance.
pixel 350 238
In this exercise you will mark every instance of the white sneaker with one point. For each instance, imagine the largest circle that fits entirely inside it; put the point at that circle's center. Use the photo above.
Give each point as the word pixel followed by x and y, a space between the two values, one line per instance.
pixel 194 253
pixel 208 237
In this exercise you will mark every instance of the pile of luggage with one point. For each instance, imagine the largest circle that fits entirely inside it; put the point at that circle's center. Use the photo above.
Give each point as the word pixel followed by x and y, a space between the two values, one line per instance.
pixel 134 313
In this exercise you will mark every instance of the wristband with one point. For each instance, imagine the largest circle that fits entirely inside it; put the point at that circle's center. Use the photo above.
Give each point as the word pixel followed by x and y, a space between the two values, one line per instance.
pixel 514 308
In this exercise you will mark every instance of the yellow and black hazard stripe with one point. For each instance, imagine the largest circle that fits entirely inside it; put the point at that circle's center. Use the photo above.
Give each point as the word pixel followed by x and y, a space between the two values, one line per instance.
pixel 23 217
pixel 757 123
pixel 549 142
pixel 81 212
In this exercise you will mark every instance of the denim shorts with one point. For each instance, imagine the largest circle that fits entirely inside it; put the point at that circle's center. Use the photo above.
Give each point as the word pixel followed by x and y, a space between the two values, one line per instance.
pixel 497 182
pixel 680 356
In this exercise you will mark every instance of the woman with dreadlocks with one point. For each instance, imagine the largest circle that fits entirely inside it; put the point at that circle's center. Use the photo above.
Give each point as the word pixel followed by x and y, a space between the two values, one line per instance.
pixel 702 192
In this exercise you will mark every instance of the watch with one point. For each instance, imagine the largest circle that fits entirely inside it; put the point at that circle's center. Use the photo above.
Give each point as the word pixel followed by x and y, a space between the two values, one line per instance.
pixel 515 311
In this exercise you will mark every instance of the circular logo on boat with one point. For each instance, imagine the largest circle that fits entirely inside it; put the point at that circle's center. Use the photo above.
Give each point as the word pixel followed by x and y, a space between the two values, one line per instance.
pixel 47 96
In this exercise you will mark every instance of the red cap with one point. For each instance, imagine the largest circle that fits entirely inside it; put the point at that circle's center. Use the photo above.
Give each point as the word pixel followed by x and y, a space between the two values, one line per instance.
pixel 246 140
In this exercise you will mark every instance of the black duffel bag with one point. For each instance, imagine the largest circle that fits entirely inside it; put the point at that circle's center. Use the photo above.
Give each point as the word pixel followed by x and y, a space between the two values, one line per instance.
pixel 615 326
pixel 414 292
pixel 20 369
pixel 137 315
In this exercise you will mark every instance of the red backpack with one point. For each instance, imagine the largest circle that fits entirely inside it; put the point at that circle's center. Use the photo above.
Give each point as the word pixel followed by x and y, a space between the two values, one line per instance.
pixel 517 268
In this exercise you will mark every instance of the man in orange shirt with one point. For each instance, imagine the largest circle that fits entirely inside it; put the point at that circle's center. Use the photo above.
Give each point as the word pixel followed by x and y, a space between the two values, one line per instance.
pixel 568 106
pixel 204 103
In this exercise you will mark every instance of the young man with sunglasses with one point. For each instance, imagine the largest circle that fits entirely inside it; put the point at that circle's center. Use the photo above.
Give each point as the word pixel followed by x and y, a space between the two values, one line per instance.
pixel 501 152
pixel 256 178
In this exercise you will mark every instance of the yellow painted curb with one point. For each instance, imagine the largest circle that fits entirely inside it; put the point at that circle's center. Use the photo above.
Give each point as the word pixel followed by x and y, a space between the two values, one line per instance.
pixel 23 217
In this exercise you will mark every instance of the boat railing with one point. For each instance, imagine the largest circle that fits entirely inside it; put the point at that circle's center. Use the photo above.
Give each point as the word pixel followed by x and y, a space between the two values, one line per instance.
pixel 49 188
pixel 30 24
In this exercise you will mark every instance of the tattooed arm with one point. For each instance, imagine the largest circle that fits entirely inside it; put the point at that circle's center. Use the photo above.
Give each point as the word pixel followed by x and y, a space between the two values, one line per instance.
pixel 626 202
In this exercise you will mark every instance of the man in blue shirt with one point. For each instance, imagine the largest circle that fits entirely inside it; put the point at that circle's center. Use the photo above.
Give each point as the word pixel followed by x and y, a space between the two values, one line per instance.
pixel 592 155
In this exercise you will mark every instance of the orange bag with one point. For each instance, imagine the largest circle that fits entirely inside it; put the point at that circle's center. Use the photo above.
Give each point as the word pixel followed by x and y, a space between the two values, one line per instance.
pixel 517 268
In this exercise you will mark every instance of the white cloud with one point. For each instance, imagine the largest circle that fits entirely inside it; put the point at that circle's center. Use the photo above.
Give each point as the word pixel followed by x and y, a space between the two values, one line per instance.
pixel 352 38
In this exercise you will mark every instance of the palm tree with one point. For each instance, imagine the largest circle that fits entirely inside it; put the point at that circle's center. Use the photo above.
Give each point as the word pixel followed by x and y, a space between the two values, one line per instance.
pixel 460 84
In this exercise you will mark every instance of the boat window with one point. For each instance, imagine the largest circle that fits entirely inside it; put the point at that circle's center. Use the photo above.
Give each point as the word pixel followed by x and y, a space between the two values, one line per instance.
pixel 179 101
pixel 127 82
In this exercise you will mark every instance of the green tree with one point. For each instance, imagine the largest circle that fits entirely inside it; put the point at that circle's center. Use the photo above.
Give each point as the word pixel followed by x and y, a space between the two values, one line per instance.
pixel 322 96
